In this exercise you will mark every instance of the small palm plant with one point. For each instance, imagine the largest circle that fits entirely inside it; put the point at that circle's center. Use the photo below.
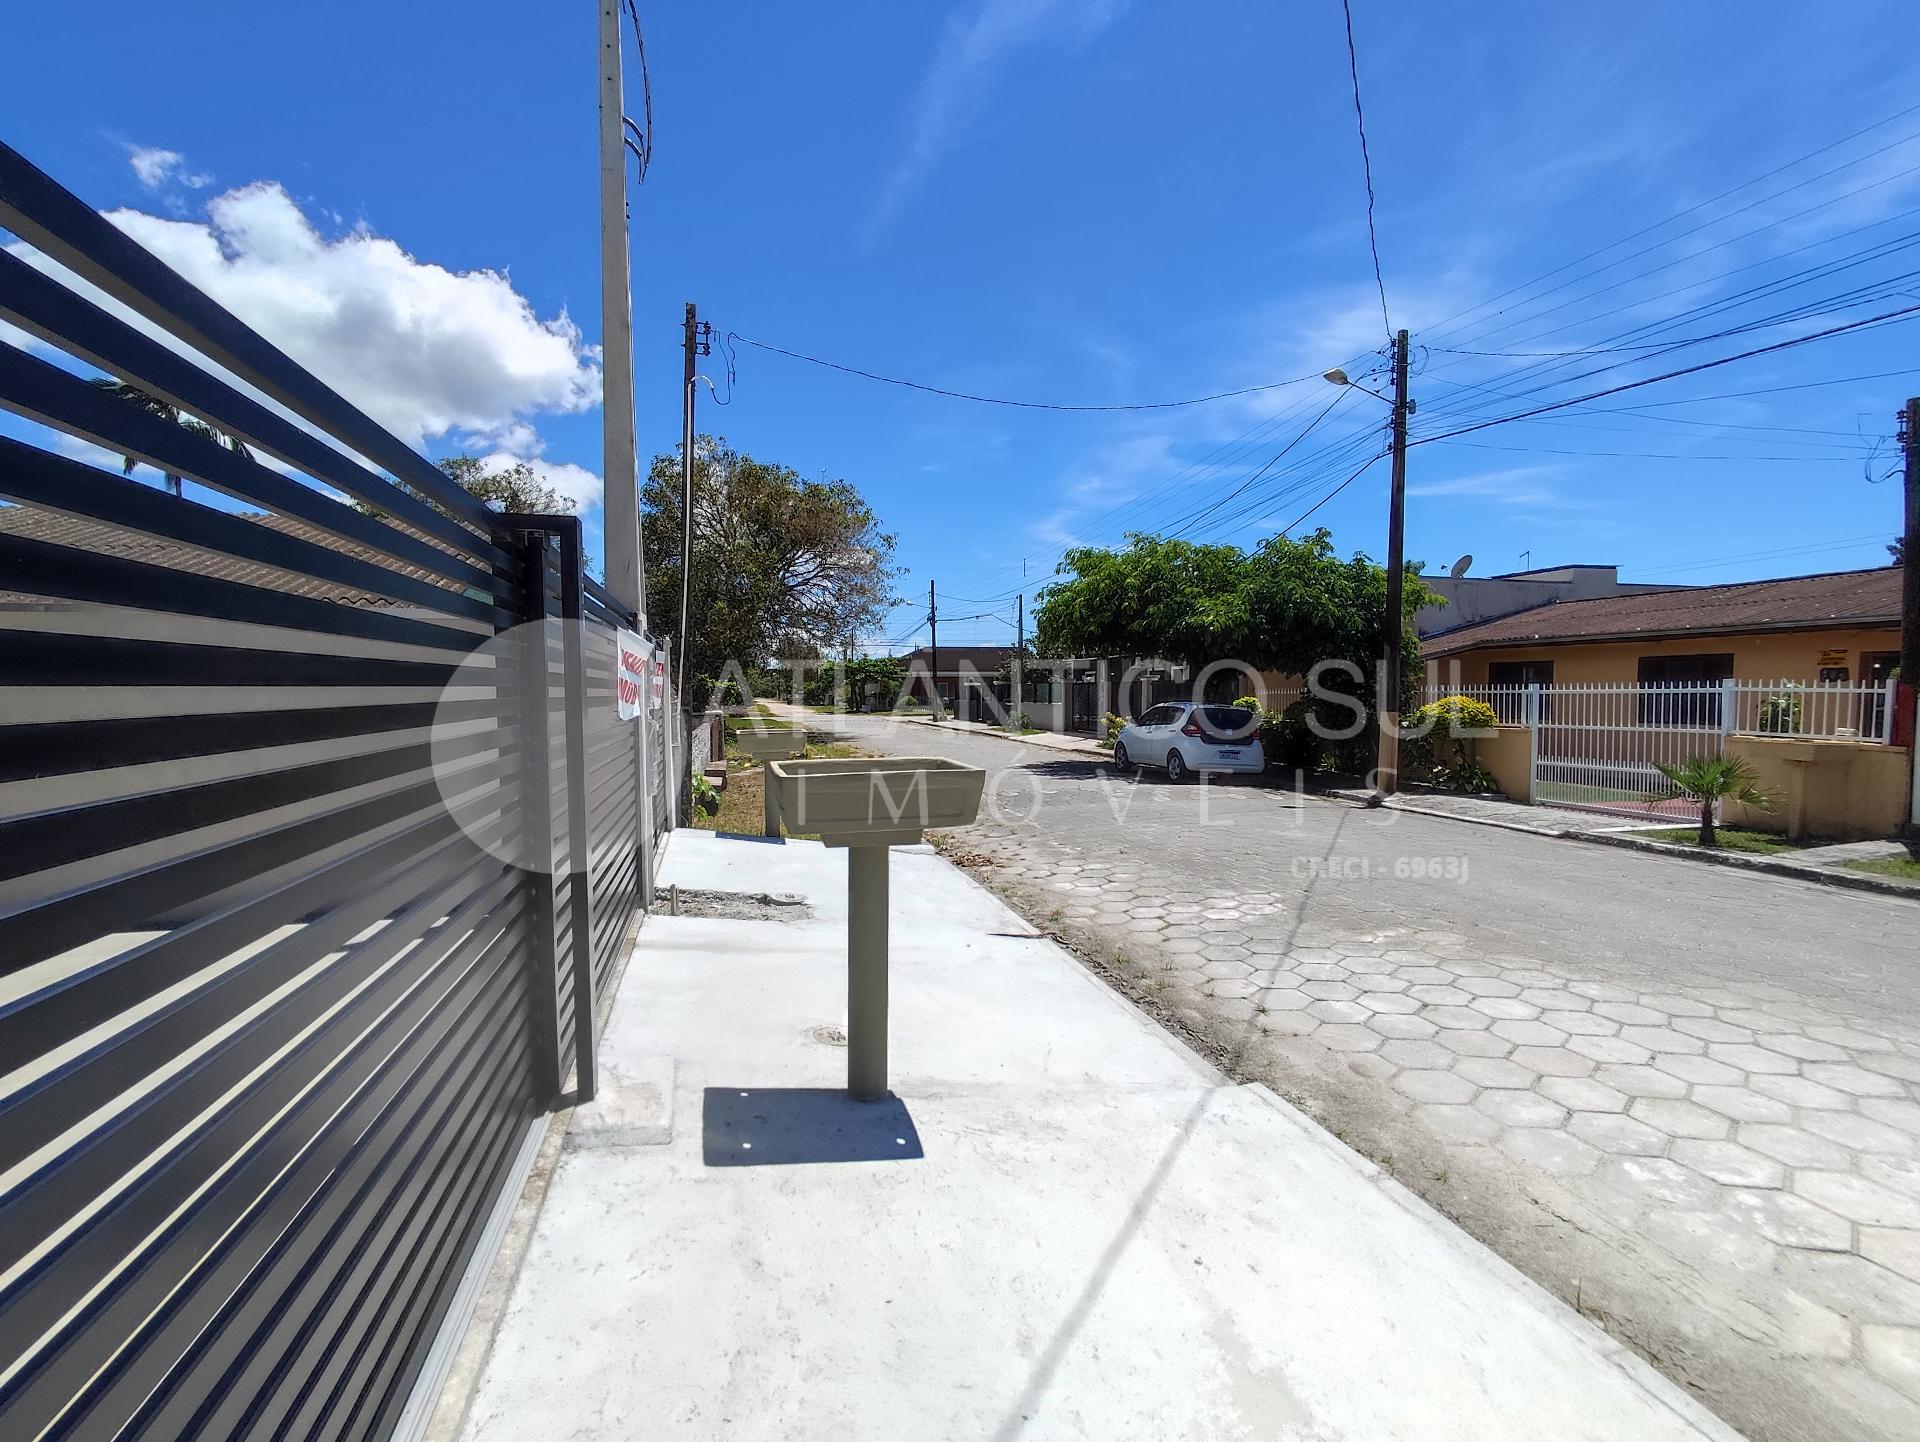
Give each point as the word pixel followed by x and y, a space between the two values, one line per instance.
pixel 1710 780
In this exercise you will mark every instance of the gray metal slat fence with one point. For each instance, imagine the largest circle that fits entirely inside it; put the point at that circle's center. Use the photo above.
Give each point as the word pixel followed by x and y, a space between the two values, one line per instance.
pixel 306 900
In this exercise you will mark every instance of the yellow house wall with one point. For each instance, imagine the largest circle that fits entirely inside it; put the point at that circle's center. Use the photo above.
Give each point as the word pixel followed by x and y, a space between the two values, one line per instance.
pixel 1782 656
pixel 1509 756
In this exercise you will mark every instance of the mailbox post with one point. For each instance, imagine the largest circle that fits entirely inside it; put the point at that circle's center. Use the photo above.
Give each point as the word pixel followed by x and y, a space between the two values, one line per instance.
pixel 868 805
pixel 767 747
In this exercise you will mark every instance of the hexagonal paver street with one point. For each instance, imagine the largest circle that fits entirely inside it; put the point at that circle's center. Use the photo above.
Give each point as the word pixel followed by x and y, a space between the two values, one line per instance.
pixel 1683 1098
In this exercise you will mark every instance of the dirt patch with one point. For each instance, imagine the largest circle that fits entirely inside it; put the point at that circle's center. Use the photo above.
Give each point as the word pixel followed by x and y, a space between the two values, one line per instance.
pixel 739 905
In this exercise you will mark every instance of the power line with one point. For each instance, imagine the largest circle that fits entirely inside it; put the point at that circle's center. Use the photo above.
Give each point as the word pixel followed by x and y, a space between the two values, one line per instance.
pixel 1653 455
pixel 1440 327
pixel 1332 493
pixel 1813 548
pixel 735 336
pixel 1366 165
pixel 640 142
pixel 1881 319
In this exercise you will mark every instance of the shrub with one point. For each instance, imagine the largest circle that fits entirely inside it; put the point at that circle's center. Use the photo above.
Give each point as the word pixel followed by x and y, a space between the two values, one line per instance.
pixel 1465 776
pixel 1445 747
pixel 1780 714
pixel 1114 723
pixel 1287 738
pixel 705 797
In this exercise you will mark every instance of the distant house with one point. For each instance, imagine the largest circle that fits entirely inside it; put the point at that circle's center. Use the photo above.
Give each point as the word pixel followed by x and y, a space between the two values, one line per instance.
pixel 1472 599
pixel 963 671
pixel 1840 626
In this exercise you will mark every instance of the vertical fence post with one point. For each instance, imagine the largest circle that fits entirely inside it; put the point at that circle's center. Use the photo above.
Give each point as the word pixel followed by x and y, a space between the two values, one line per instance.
pixel 1889 705
pixel 536 807
pixel 1729 700
pixel 1533 741
pixel 579 832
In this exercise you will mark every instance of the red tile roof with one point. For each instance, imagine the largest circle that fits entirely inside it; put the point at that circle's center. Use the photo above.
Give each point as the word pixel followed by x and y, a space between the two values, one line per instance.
pixel 1798 603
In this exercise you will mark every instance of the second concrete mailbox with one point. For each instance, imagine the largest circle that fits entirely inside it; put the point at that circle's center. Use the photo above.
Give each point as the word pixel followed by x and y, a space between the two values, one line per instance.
pixel 867 805
pixel 767 746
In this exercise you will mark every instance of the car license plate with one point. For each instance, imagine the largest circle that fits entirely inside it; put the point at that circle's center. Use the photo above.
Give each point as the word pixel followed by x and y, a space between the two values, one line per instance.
pixel 1230 755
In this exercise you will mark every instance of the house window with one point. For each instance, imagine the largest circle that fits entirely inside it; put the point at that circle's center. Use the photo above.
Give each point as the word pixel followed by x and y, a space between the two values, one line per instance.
pixel 1509 704
pixel 1683 690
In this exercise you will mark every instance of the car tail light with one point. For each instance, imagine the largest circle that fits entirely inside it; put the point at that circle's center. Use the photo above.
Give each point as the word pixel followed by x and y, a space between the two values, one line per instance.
pixel 1192 728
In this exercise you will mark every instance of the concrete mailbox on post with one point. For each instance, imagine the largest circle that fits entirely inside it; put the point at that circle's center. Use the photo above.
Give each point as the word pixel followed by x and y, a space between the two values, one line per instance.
pixel 867 805
pixel 767 747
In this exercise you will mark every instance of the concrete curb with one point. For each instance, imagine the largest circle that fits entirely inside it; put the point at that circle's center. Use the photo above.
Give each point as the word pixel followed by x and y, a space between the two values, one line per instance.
pixel 1821 875
pixel 1824 875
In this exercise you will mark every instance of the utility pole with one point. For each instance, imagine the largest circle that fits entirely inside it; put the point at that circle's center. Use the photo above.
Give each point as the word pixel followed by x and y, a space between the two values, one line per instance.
pixel 1387 765
pixel 626 581
pixel 686 499
pixel 1910 539
pixel 1904 718
pixel 1019 655
pixel 933 625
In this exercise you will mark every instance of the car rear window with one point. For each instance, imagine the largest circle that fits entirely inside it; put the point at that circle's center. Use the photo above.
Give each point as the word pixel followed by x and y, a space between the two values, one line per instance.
pixel 1231 721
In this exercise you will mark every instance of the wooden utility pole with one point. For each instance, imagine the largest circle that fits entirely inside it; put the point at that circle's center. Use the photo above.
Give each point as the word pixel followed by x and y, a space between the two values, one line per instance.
pixel 1387 765
pixel 686 499
pixel 620 508
pixel 1910 540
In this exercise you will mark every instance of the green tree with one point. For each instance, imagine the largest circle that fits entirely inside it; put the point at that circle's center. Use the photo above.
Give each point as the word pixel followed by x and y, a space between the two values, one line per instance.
pixel 781 563
pixel 1284 606
pixel 1710 780
pixel 167 410
pixel 513 487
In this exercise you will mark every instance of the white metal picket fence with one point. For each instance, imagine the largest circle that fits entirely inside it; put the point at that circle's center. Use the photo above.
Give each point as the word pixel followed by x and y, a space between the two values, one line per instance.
pixel 1600 746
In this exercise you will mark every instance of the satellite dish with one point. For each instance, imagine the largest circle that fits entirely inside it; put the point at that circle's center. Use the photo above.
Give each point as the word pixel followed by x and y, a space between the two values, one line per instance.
pixel 1460 566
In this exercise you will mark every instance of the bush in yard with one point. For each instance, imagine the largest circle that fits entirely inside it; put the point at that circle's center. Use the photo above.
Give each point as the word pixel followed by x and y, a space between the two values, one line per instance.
pixel 1780 714
pixel 705 797
pixel 1114 723
pixel 1443 745
pixel 1710 780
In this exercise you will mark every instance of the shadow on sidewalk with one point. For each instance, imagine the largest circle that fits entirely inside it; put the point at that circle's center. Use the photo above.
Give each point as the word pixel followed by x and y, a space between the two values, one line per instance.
pixel 785 1126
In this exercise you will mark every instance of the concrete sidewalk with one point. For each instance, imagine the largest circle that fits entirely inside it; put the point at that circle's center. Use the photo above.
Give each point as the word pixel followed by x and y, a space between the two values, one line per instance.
pixel 1067 1226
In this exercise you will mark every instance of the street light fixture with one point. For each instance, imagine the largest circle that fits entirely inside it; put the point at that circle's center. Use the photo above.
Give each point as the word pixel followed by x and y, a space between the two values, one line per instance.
pixel 1387 763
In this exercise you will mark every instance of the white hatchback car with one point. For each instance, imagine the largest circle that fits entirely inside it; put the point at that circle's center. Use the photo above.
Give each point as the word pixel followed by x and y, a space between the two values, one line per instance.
pixel 1185 739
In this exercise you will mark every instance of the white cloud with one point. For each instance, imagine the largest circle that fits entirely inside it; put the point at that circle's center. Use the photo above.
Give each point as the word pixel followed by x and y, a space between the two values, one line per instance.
pixel 156 167
pixel 963 66
pixel 424 350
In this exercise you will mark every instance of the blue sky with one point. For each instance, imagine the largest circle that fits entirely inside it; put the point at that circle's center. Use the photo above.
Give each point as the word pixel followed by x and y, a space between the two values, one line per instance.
pixel 1076 202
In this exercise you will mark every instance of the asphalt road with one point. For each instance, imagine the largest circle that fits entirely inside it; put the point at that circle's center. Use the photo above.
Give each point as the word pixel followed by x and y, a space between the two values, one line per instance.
pixel 1684 1098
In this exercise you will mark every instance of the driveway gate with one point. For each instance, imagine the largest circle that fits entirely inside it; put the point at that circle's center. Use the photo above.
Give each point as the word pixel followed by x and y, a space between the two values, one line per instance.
pixel 297 946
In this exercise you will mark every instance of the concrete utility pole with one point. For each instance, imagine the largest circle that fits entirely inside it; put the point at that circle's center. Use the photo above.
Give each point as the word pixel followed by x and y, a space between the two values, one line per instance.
pixel 1387 765
pixel 686 498
pixel 1019 654
pixel 620 508
pixel 933 626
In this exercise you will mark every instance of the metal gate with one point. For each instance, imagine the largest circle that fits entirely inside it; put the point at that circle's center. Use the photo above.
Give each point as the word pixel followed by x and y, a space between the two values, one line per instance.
pixel 1597 747
pixel 297 946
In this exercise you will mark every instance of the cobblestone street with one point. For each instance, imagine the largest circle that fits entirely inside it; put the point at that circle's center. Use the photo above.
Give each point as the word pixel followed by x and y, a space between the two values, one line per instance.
pixel 1685 1099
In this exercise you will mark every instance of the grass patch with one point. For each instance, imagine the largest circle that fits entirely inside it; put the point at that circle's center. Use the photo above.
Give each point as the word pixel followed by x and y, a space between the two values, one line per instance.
pixel 1904 868
pixel 1731 838
pixel 742 809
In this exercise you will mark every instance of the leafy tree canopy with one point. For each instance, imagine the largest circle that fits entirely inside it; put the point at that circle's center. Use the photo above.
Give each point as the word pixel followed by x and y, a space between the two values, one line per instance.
pixel 513 487
pixel 1282 606
pixel 781 564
